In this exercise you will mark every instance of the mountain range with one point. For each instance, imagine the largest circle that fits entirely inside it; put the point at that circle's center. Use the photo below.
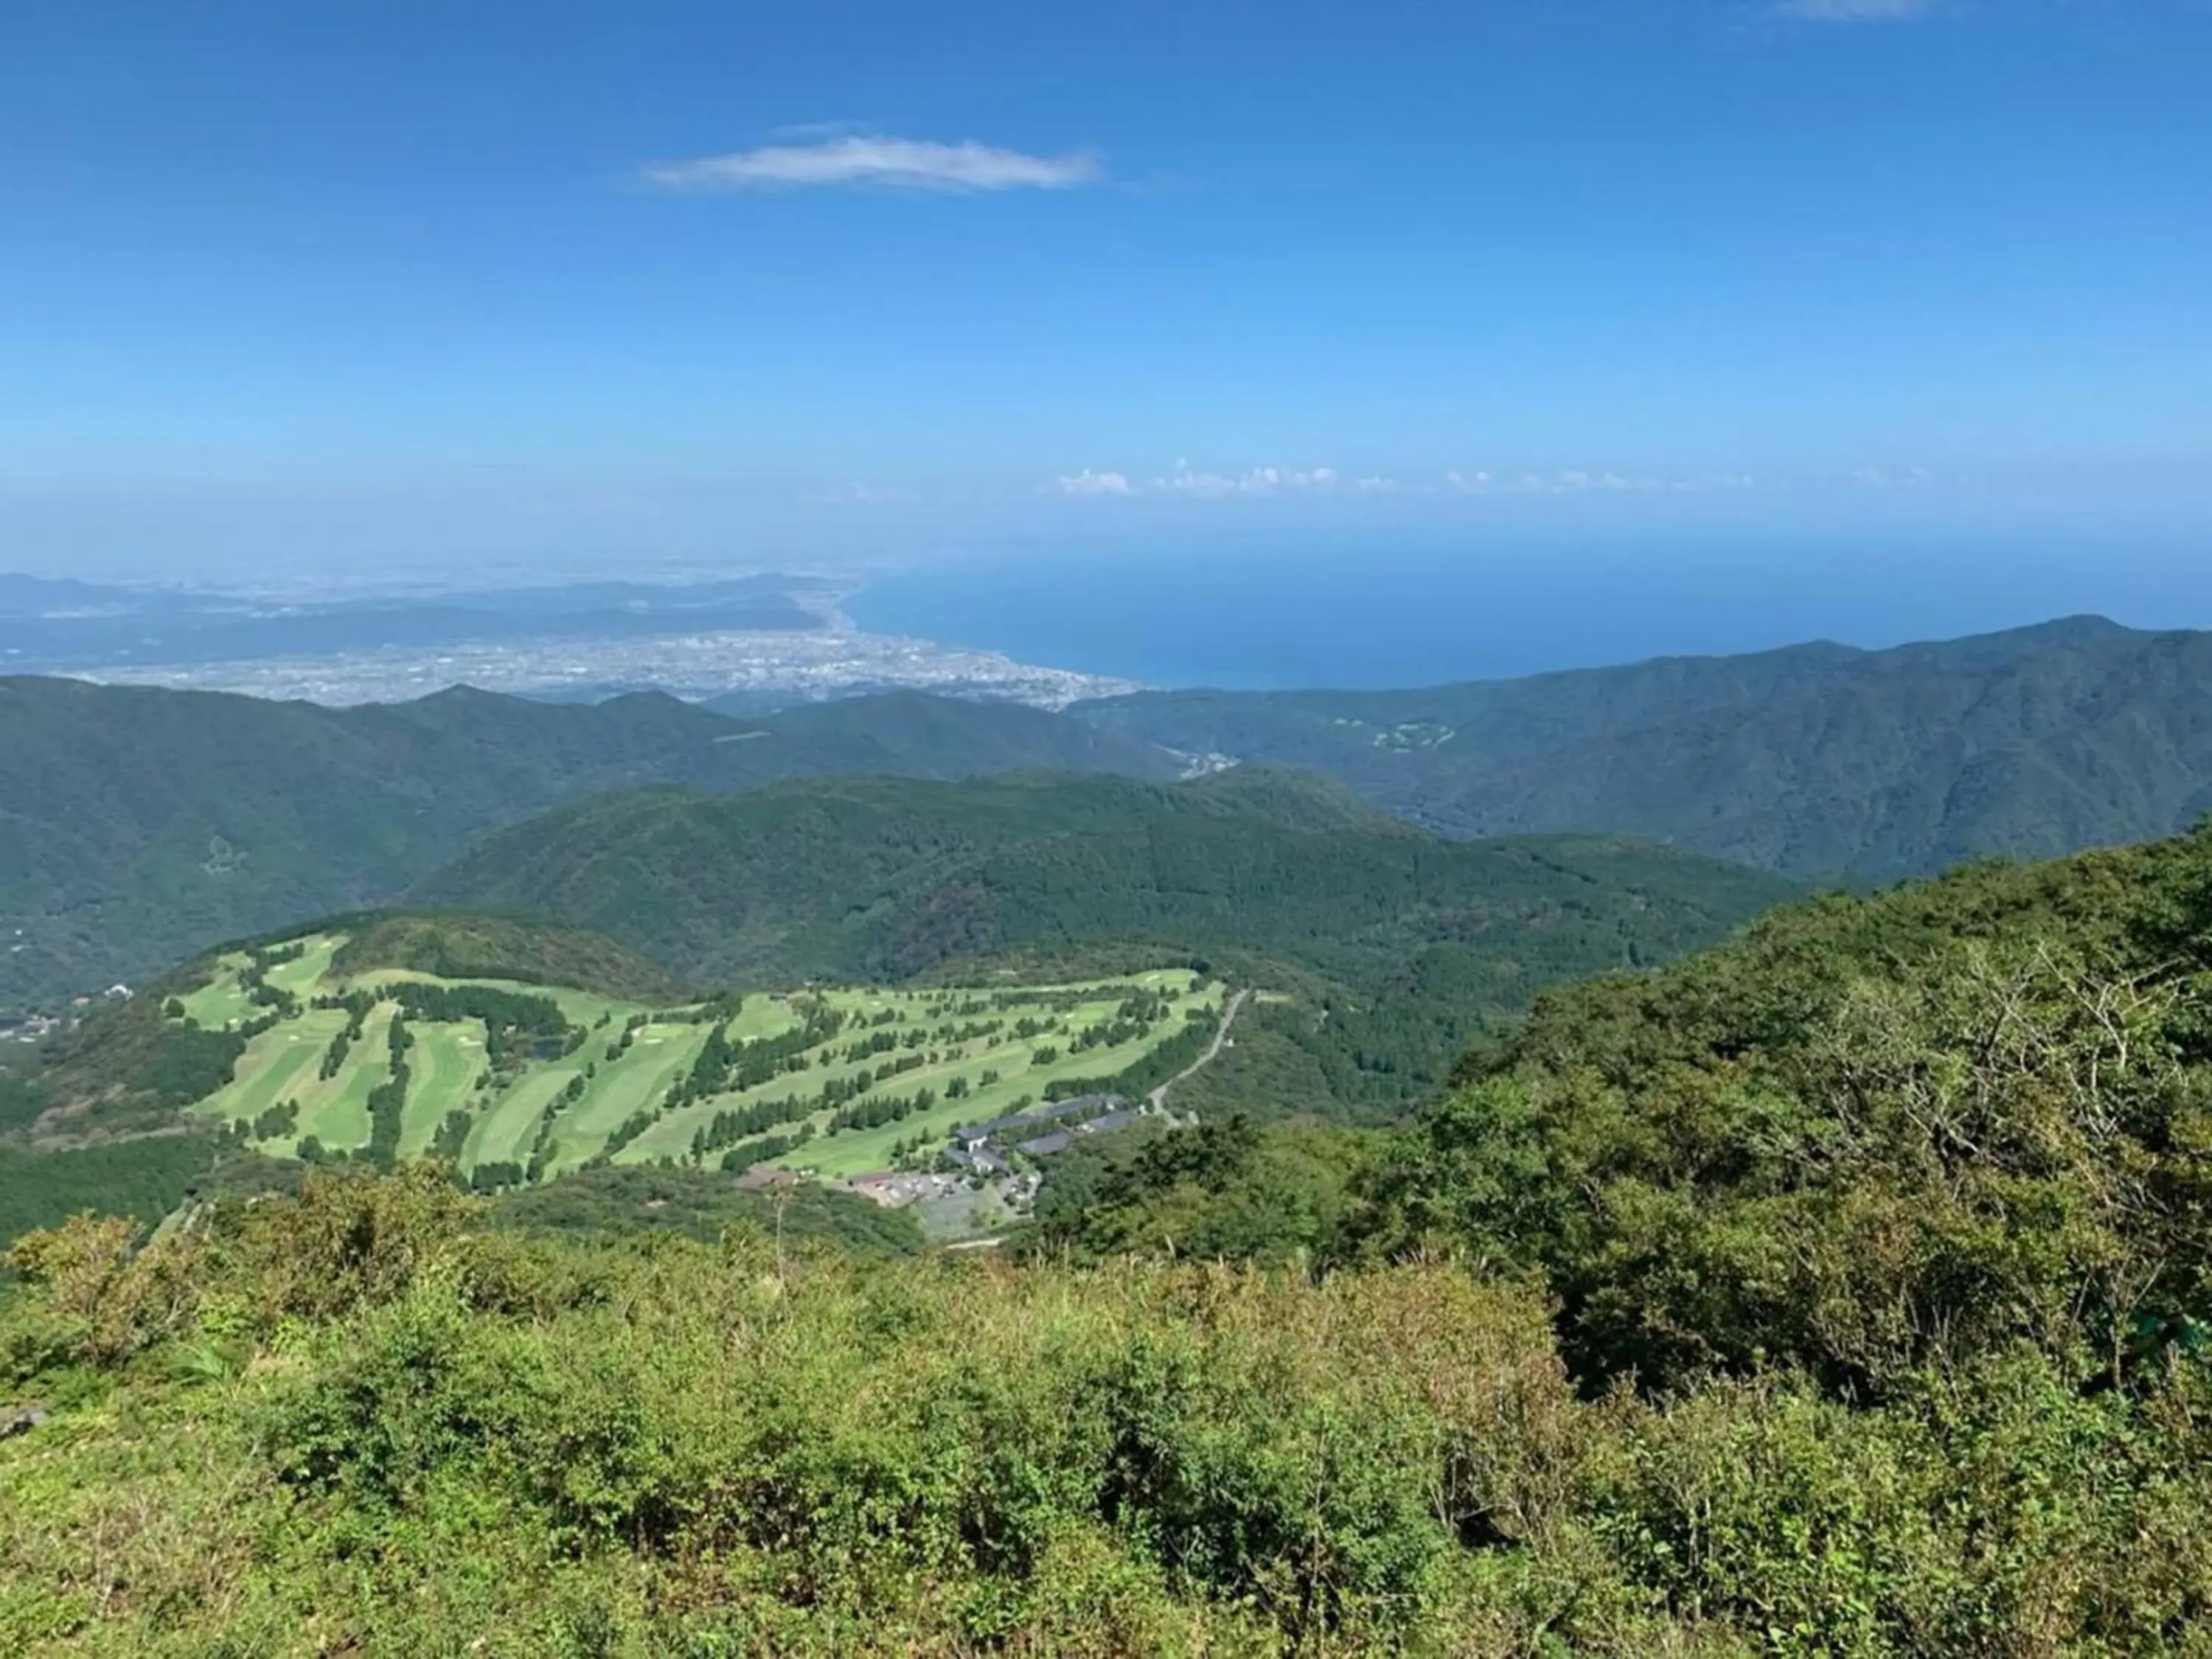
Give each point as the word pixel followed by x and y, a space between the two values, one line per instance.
pixel 1818 760
pixel 138 825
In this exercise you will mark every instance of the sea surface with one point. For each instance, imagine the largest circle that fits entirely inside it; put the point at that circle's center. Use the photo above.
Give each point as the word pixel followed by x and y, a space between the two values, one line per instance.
pixel 1351 618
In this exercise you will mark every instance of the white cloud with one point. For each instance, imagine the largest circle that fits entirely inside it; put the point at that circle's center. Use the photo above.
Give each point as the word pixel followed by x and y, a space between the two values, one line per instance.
pixel 1852 11
pixel 1577 481
pixel 882 163
pixel 1280 480
pixel 1087 483
pixel 1254 480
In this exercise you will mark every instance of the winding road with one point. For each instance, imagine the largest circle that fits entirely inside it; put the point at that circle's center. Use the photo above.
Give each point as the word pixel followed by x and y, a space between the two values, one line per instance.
pixel 1158 1100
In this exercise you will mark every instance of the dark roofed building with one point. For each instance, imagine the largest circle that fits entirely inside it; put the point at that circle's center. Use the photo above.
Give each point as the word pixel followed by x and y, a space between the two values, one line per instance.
pixel 1111 1122
pixel 1078 1107
pixel 1045 1145
pixel 975 1134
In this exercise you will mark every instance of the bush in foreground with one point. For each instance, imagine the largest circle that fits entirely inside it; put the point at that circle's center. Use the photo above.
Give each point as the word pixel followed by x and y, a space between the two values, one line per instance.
pixel 358 1420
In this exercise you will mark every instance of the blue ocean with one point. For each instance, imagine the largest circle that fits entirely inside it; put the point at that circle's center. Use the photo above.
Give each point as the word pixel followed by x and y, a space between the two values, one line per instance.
pixel 1254 620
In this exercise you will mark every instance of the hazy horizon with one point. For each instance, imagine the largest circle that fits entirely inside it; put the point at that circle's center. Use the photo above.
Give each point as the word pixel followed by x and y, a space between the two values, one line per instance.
pixel 309 294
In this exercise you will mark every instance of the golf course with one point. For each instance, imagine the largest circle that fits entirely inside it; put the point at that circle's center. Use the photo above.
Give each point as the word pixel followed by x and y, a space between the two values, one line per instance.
pixel 516 1081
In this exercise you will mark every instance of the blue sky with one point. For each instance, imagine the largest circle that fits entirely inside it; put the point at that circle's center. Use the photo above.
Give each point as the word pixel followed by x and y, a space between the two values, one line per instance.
pixel 691 284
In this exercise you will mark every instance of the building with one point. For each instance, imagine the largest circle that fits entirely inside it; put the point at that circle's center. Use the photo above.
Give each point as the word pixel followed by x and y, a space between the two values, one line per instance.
pixel 1005 1129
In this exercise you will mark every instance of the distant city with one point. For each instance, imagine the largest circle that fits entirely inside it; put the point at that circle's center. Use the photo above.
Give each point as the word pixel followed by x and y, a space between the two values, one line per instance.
pixel 753 643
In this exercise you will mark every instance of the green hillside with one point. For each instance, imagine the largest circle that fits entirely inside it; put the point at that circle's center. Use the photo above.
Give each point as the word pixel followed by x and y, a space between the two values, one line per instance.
pixel 1817 760
pixel 456 944
pixel 144 825
pixel 1397 947
pixel 1843 1289
pixel 1867 1135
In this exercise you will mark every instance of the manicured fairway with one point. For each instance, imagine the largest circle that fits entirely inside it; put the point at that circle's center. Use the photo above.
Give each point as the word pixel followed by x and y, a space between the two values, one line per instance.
pixel 304 978
pixel 442 1067
pixel 221 1000
pixel 337 1113
pixel 856 1151
pixel 276 1066
pixel 507 1128
pixel 660 1054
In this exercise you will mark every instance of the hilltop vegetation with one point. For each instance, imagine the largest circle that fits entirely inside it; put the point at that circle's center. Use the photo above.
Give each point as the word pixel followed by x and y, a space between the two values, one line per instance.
pixel 147 826
pixel 144 825
pixel 456 944
pixel 1960 1118
pixel 1816 760
pixel 703 1206
pixel 1868 1136
pixel 358 1421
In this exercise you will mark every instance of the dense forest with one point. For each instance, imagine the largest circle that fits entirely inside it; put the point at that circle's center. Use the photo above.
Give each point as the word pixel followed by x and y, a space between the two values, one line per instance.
pixel 1386 950
pixel 1839 1290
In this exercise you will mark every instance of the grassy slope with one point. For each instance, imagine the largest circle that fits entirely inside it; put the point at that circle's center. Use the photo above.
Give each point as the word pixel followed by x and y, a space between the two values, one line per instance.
pixel 362 1423
pixel 442 1072
pixel 506 1130
pixel 661 1055
pixel 856 1151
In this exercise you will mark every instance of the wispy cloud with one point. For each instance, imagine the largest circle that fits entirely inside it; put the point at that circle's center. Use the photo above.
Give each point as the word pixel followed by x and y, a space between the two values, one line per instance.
pixel 857 494
pixel 1194 483
pixel 872 161
pixel 1852 11
pixel 1254 481
pixel 1087 483
pixel 1575 481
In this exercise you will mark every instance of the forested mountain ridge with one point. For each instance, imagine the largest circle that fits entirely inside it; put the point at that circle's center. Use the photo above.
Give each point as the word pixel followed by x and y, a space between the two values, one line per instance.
pixel 1404 945
pixel 1817 760
pixel 138 825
